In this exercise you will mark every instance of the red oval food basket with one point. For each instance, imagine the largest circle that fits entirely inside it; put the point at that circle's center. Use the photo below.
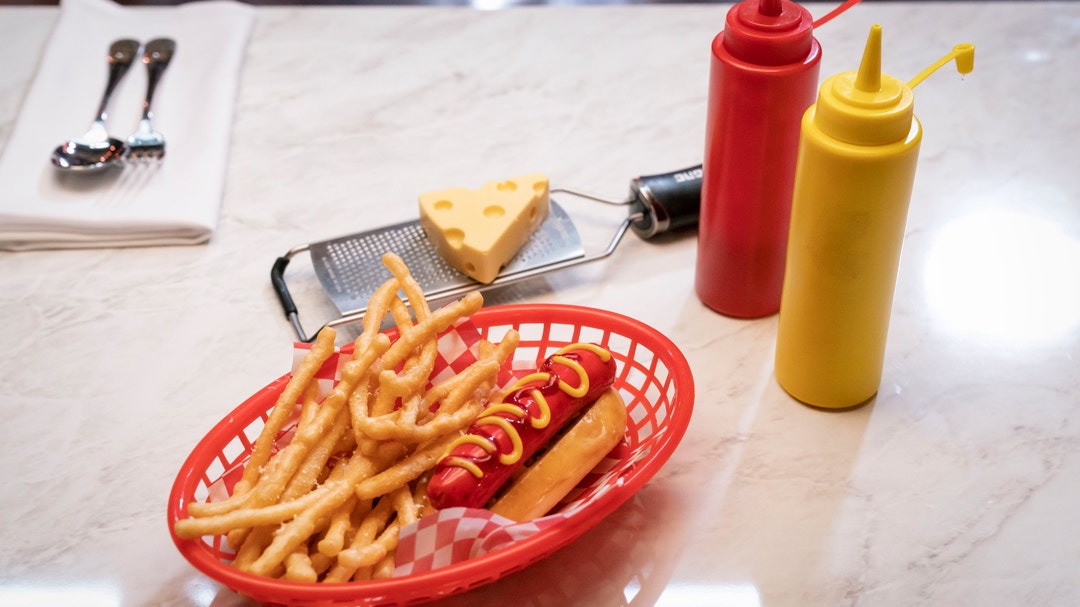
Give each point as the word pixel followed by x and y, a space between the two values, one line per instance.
pixel 653 378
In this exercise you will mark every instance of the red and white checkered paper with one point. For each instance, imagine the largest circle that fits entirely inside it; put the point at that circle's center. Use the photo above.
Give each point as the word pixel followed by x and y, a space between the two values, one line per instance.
pixel 453 535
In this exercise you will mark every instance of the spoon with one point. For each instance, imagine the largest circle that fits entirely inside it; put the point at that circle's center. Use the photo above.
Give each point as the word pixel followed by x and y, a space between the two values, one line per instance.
pixel 95 149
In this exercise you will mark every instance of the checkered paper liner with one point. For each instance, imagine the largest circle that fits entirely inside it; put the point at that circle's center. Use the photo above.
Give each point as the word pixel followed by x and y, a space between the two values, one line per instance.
pixel 440 554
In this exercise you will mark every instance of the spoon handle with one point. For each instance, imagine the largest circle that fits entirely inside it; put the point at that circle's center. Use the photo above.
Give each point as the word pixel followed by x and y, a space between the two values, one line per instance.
pixel 121 54
pixel 157 55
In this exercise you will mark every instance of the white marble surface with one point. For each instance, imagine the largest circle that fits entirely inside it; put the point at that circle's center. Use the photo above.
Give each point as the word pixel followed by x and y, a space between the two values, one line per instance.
pixel 958 485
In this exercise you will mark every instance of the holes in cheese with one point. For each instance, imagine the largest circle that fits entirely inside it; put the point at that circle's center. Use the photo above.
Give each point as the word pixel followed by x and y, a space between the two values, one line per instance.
pixel 478 231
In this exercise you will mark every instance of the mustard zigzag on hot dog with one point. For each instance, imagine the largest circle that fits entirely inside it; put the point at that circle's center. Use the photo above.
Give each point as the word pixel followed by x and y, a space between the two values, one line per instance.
pixel 506 434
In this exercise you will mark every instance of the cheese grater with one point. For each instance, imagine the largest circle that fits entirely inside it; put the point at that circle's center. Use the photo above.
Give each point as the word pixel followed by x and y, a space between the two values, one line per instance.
pixel 350 268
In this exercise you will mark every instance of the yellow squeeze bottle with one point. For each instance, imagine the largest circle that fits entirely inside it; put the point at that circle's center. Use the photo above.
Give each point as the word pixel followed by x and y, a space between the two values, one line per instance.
pixel 854 174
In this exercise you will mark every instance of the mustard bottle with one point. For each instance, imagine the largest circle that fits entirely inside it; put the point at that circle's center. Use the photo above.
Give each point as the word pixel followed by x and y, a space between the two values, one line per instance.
pixel 854 174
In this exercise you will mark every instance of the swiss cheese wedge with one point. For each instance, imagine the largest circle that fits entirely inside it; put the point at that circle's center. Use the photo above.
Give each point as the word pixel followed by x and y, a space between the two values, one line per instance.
pixel 478 231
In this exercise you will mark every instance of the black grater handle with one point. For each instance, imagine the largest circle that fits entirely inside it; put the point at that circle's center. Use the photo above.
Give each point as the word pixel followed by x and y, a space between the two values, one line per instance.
pixel 665 202
pixel 277 279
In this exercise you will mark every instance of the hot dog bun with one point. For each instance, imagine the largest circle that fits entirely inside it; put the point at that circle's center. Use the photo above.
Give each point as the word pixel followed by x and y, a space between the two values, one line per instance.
pixel 543 484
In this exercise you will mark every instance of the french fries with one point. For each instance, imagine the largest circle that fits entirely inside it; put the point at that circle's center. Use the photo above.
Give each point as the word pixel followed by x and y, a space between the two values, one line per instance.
pixel 329 505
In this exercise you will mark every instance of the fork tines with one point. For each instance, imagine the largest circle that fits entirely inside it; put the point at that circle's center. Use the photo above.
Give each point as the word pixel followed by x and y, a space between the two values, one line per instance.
pixel 146 143
pixel 148 151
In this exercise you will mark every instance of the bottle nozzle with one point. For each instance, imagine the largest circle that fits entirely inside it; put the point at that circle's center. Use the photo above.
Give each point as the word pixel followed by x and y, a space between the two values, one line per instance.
pixel 770 8
pixel 868 79
pixel 964 54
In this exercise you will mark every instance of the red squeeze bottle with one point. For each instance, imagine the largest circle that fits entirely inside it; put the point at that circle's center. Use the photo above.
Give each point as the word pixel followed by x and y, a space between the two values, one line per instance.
pixel 764 76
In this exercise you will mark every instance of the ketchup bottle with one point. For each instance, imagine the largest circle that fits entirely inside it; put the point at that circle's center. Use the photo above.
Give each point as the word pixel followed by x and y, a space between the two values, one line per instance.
pixel 856 168
pixel 764 75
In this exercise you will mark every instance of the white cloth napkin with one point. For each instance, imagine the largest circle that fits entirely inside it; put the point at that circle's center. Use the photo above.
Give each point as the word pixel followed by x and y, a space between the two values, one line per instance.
pixel 174 202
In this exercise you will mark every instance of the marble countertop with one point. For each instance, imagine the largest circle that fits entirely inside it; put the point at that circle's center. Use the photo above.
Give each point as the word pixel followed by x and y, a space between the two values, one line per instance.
pixel 959 484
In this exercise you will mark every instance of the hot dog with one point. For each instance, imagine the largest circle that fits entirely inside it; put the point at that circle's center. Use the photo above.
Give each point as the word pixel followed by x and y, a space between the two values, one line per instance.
pixel 507 434
pixel 544 482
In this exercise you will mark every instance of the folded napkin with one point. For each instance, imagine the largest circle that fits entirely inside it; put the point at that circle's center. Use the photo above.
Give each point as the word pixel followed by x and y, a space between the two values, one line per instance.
pixel 175 202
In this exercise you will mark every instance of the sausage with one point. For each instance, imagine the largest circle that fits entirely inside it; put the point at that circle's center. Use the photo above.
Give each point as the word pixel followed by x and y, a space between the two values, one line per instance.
pixel 575 452
pixel 506 434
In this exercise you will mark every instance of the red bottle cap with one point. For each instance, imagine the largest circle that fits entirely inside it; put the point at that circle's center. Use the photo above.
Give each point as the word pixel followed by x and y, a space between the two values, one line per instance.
pixel 769 32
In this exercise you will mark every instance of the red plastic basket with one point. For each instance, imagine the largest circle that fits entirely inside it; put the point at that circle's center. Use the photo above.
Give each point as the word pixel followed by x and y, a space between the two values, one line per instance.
pixel 653 378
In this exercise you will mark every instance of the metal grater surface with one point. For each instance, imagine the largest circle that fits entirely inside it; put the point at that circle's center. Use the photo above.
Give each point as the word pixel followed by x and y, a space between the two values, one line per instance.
pixel 350 267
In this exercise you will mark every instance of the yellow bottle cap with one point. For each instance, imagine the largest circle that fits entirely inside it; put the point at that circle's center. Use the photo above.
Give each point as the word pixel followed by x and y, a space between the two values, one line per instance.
pixel 867 107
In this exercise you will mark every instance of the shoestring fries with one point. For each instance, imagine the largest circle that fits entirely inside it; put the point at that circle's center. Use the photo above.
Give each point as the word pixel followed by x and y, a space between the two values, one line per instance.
pixel 329 505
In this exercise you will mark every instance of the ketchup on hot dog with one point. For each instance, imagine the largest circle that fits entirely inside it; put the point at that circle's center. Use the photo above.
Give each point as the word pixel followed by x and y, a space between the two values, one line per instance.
pixel 505 435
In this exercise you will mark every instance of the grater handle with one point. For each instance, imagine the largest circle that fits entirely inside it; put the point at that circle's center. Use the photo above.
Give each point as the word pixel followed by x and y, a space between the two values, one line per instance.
pixel 277 279
pixel 665 202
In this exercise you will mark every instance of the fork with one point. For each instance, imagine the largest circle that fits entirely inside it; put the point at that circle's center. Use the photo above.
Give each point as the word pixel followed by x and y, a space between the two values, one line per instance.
pixel 145 142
